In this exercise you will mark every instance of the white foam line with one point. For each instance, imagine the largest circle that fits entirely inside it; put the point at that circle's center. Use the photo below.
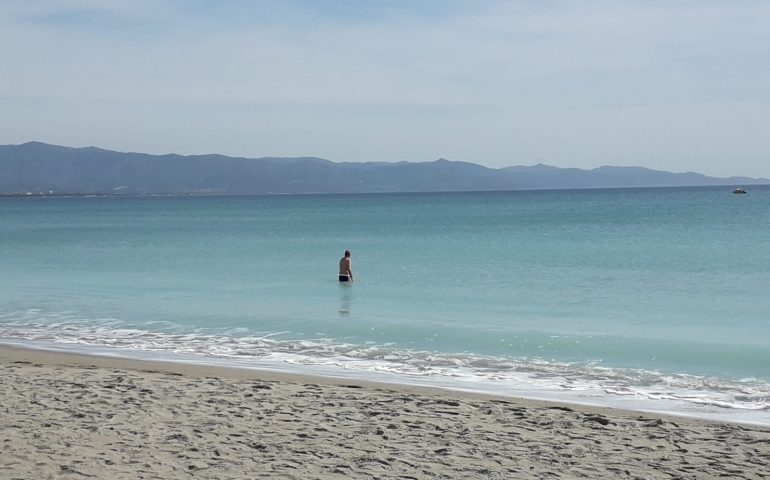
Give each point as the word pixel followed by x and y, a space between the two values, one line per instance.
pixel 589 384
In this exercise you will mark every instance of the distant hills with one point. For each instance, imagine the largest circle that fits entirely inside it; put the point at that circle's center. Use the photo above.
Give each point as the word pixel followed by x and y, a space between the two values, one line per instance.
pixel 42 168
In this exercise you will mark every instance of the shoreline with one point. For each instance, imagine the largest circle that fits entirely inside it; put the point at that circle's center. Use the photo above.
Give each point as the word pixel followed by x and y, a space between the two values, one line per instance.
pixel 48 358
pixel 281 370
pixel 66 414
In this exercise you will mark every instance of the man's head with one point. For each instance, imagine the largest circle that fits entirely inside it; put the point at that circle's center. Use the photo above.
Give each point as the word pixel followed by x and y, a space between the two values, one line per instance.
pixel 347 253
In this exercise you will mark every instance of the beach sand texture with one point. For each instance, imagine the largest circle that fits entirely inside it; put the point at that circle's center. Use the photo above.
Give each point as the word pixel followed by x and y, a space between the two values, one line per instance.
pixel 71 416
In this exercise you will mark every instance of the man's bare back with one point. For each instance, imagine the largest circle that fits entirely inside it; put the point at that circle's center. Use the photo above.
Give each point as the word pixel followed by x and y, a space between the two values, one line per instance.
pixel 346 268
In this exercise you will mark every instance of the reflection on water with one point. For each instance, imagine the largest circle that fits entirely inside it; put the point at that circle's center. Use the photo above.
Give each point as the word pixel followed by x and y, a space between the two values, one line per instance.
pixel 346 298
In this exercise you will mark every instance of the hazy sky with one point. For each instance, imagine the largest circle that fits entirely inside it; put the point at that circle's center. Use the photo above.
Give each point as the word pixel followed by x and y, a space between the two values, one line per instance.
pixel 673 85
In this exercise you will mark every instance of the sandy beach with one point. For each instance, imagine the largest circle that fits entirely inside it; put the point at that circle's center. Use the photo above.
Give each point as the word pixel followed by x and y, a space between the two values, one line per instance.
pixel 77 416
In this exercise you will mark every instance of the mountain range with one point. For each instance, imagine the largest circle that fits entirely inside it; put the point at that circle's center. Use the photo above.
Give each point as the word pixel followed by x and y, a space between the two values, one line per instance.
pixel 37 167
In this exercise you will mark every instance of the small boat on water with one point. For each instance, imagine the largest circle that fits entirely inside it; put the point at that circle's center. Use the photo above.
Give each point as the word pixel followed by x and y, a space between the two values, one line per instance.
pixel 739 190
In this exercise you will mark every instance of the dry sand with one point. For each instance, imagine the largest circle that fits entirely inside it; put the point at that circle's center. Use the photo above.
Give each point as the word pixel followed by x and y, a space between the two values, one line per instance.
pixel 73 416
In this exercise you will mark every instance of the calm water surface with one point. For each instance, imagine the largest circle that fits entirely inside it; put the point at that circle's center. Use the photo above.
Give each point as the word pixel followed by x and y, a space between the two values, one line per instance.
pixel 652 299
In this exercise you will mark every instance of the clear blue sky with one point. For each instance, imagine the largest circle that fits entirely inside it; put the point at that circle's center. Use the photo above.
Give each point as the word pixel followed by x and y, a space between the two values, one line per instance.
pixel 673 85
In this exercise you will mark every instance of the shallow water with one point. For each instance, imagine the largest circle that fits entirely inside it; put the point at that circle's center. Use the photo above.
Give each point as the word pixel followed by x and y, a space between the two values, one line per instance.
pixel 651 299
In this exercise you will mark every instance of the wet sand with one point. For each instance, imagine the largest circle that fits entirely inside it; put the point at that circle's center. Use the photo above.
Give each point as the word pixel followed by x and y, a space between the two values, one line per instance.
pixel 77 416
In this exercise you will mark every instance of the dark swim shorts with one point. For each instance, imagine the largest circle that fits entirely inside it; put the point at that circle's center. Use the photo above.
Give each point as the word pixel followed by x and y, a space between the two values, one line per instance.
pixel 344 278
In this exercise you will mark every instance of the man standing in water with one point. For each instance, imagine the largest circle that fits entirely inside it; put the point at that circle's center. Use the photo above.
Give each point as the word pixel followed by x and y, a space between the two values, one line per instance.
pixel 346 272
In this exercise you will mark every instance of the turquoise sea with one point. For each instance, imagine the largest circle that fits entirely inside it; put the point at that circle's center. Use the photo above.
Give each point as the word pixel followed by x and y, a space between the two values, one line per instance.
pixel 649 299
